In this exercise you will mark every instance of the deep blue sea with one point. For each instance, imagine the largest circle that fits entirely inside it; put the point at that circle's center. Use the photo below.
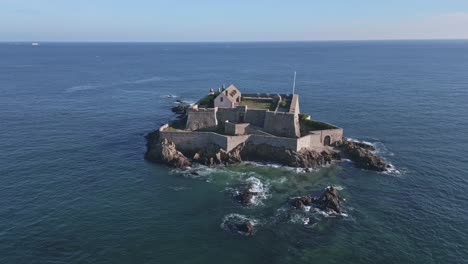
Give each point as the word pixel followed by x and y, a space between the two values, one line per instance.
pixel 76 189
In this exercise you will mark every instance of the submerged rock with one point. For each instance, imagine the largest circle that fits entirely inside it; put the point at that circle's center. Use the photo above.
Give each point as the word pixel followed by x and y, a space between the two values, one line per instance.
pixel 245 197
pixel 361 155
pixel 238 224
pixel 252 193
pixel 301 202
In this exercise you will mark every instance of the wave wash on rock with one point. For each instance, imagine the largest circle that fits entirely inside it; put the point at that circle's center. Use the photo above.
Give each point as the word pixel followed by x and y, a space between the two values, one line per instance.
pixel 164 151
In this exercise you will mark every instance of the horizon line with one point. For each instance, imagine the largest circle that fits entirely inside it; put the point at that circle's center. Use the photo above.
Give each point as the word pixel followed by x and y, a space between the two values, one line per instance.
pixel 228 41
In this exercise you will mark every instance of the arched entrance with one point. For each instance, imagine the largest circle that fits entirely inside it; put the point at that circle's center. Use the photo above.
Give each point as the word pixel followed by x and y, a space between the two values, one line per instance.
pixel 326 141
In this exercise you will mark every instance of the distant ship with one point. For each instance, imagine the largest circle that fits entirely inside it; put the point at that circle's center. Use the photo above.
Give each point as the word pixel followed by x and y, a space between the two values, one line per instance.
pixel 35 44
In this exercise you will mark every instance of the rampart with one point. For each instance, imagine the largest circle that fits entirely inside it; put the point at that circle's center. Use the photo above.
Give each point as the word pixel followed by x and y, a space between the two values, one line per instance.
pixel 195 140
pixel 282 124
pixel 201 118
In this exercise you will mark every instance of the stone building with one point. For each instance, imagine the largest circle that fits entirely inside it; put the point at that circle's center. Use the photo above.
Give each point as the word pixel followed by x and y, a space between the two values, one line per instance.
pixel 229 98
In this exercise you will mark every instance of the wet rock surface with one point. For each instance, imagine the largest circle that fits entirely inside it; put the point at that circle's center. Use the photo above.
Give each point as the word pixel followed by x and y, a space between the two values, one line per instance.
pixel 362 156
pixel 301 202
pixel 245 197
pixel 330 200
pixel 165 152
pixel 304 158
pixel 360 153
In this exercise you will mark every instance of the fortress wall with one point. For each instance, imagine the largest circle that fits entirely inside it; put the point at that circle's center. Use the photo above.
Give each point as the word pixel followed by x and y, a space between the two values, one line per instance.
pixel 282 124
pixel 255 117
pixel 309 141
pixel 335 134
pixel 194 140
pixel 234 141
pixel 255 131
pixel 289 143
pixel 235 129
pixel 202 118
pixel 224 114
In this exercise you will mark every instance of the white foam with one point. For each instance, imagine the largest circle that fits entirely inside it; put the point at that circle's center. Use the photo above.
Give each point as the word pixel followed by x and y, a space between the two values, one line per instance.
pixel 338 187
pixel 230 220
pixel 82 88
pixel 178 188
pixel 329 213
pixel 299 219
pixel 392 170
pixel 146 80
pixel 261 190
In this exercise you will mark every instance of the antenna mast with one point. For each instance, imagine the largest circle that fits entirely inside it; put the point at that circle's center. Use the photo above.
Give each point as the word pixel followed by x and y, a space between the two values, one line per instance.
pixel 294 83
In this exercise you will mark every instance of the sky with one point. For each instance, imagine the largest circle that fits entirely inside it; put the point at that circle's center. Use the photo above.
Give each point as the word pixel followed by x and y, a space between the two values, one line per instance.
pixel 235 20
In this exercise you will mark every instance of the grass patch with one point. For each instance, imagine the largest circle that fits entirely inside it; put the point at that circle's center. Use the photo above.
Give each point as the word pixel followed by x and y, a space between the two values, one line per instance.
pixel 312 125
pixel 178 124
pixel 259 104
pixel 285 103
pixel 208 101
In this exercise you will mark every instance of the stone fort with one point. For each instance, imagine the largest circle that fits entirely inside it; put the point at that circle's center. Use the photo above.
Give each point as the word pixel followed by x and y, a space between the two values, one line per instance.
pixel 228 118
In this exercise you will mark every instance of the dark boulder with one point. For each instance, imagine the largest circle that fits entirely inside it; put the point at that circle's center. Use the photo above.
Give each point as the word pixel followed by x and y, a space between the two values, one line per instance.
pixel 301 202
pixel 305 158
pixel 246 228
pixel 330 199
pixel 245 197
pixel 362 155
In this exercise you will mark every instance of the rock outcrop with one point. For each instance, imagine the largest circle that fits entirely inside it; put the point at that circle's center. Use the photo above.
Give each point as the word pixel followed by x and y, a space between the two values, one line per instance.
pixel 212 155
pixel 304 158
pixel 329 200
pixel 362 156
pixel 164 152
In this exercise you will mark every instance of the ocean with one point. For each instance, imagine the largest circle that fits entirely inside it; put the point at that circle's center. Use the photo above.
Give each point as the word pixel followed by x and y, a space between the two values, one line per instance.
pixel 75 187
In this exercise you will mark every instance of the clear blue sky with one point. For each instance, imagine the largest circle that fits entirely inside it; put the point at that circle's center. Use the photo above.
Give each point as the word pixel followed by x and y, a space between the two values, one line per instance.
pixel 235 20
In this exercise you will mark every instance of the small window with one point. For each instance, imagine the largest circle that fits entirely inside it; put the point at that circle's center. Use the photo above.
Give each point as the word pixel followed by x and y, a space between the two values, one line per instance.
pixel 238 99
pixel 221 99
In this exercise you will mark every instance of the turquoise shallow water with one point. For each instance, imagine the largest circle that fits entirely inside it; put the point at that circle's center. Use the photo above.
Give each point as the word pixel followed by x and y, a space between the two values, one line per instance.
pixel 75 187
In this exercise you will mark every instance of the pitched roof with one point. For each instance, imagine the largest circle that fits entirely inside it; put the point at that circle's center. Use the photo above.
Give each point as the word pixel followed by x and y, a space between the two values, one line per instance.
pixel 232 92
